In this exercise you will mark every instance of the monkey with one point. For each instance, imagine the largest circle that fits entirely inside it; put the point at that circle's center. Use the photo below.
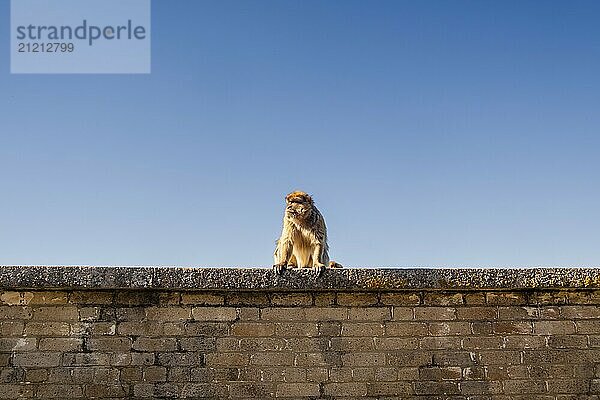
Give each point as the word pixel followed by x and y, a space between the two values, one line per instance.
pixel 303 241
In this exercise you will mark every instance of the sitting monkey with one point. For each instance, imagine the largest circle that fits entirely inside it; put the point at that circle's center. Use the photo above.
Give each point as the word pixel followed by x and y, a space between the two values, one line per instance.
pixel 303 241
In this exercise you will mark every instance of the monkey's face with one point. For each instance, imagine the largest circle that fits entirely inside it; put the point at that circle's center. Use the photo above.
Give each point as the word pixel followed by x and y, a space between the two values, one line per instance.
pixel 299 206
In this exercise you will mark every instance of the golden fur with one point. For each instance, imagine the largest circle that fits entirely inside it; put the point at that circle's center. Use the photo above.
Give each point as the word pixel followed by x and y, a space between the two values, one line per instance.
pixel 303 241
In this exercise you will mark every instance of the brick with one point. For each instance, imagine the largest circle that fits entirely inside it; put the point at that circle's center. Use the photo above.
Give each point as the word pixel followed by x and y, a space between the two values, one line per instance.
pixel 164 314
pixel 505 298
pixel 512 328
pixel 297 390
pixel 249 314
pixel 133 314
pixel 204 390
pixel 247 299
pixel 454 358
pixel 477 298
pixel 252 329
pixel 36 360
pixel 282 314
pixel 17 344
pixel 330 328
pixel 227 359
pixel 402 313
pixel 63 313
pixel 476 313
pixel 370 314
pixel 435 313
pixel 214 313
pixel 443 299
pixel 352 343
pixel 36 375
pixel 440 373
pixel 553 327
pixel 346 389
pixel 400 299
pixel 85 359
pixel 567 341
pixel 252 390
pixel 179 374
pixel 142 328
pixel 316 374
pixel 112 344
pixel 580 312
pixel 483 342
pixel 322 359
pixel 155 374
pixel 409 358
pixel 521 387
pixel 16 298
pixel 15 391
pixel 516 313
pixel 392 343
pixel 343 374
pixel 262 344
pixel 588 327
pixel 307 344
pixel 574 386
pixel 155 344
pixel 203 298
pixel 363 359
pixel 524 342
pixel 15 312
pixel 449 328
pixel 105 390
pixel 131 375
pixel 499 357
pixel 142 358
pixel 386 374
pixel 293 329
pixel 60 391
pixel 481 387
pixel 143 390
pixel 60 344
pixel 324 299
pixel 11 328
pixel 173 359
pixel 326 314
pixel 137 298
pixel 431 388
pixel 362 329
pixel 389 389
pixel 106 375
pixel 207 329
pixel 91 297
pixel 291 299
pixel 481 328
pixel 406 329
pixel 200 343
pixel 94 328
pixel 48 298
pixel 272 358
pixel 357 299
pixel 440 342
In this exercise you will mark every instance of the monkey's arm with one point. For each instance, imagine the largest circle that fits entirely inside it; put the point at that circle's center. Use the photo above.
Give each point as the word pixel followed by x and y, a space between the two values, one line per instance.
pixel 318 267
pixel 283 252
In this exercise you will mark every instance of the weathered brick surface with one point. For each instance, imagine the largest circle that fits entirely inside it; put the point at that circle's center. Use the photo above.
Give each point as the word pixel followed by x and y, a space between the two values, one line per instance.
pixel 486 344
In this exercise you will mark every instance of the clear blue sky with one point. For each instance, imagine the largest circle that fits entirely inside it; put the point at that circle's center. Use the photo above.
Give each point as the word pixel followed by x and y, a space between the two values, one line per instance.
pixel 430 133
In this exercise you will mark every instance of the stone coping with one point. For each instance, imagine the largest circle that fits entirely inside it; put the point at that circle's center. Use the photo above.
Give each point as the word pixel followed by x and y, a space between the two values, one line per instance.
pixel 264 279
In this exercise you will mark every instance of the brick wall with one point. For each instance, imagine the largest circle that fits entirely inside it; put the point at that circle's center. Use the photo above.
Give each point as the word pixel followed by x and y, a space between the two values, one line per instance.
pixel 150 332
pixel 428 344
